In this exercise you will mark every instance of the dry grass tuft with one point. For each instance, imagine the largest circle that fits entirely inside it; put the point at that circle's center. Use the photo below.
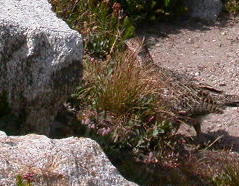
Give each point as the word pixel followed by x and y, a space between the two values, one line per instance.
pixel 121 87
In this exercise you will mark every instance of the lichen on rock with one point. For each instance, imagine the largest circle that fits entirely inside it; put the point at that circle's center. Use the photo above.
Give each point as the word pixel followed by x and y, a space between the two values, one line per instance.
pixel 70 161
pixel 40 61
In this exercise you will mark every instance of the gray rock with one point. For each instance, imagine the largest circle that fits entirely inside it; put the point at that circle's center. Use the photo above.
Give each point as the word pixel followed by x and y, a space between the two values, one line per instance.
pixel 207 10
pixel 40 60
pixel 65 162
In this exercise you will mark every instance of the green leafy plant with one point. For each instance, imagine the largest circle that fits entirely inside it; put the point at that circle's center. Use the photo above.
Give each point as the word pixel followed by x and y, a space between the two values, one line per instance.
pixel 152 10
pixel 106 23
pixel 26 180
pixel 124 101
pixel 102 24
pixel 232 6
pixel 228 177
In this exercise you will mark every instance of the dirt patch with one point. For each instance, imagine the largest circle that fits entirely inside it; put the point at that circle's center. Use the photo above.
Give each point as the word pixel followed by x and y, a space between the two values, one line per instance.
pixel 208 53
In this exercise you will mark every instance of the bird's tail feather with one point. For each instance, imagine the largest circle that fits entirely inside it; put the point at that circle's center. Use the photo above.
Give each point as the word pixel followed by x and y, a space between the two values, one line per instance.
pixel 231 100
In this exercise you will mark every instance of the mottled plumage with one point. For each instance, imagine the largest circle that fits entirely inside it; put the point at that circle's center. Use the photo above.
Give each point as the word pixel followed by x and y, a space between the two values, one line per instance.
pixel 187 98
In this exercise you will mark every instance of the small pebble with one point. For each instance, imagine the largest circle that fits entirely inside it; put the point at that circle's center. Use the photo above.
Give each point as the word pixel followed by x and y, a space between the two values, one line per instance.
pixel 190 41
pixel 197 73
pixel 219 125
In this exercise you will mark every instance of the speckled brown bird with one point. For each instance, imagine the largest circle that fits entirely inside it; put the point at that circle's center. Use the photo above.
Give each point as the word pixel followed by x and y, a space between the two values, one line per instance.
pixel 188 99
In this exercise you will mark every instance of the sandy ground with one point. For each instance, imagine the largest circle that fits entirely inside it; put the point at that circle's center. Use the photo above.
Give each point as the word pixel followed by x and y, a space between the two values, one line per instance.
pixel 209 53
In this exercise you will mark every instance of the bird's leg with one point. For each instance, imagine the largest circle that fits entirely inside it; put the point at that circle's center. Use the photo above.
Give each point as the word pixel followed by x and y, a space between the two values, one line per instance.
pixel 197 127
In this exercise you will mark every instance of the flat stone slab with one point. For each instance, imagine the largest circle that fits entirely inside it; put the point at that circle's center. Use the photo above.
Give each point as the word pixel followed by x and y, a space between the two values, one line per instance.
pixel 70 161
